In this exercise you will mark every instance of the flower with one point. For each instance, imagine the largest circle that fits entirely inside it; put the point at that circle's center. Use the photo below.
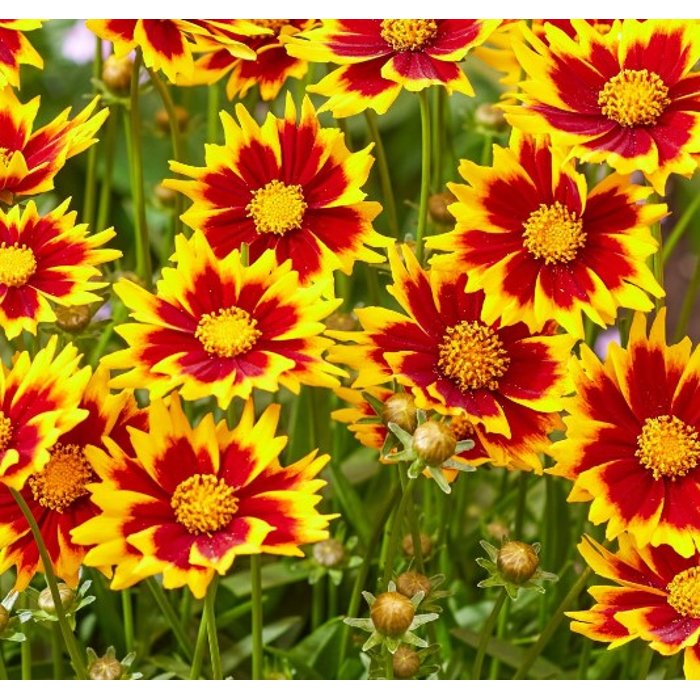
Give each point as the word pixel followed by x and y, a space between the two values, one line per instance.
pixel 380 56
pixel 542 247
pixel 57 494
pixel 16 50
pixel 46 259
pixel 627 97
pixel 632 441
pixel 38 402
pixel 192 499
pixel 656 599
pixel 29 160
pixel 499 377
pixel 216 327
pixel 292 188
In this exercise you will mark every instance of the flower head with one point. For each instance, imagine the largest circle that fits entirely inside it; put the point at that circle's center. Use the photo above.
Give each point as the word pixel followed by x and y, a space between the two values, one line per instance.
pixel 16 50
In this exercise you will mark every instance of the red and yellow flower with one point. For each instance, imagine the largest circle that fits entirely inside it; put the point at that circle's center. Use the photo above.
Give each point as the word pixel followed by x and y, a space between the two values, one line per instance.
pixel 292 188
pixel 542 247
pixel 38 402
pixel 46 259
pixel 57 495
pixel 29 160
pixel 15 49
pixel 656 599
pixel 193 499
pixel 628 97
pixel 378 57
pixel 632 445
pixel 218 328
pixel 499 377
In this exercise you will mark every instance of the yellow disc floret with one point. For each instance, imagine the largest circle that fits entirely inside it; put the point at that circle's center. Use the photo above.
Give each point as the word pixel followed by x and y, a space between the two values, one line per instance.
pixel 554 233
pixel 634 98
pixel 277 208
pixel 5 431
pixel 472 355
pixel 204 504
pixel 684 592
pixel 227 332
pixel 17 264
pixel 408 34
pixel 63 479
pixel 668 447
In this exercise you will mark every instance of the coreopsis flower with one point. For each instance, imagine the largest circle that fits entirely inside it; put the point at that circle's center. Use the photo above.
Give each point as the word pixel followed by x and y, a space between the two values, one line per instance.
pixel 379 57
pixel 656 599
pixel 632 442
pixel 543 247
pixel 46 259
pixel 627 97
pixel 15 49
pixel 29 160
pixel 294 188
pixel 500 377
pixel 38 402
pixel 57 494
pixel 192 499
pixel 218 328
pixel 271 66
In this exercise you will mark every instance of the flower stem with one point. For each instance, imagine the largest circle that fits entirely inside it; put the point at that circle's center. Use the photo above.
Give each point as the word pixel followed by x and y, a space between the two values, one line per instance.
pixel 25 652
pixel 658 263
pixel 210 614
pixel 415 536
pixel 389 665
pixel 106 188
pixel 521 505
pixel 128 613
pixel 395 534
pixel 169 612
pixel 68 638
pixel 213 113
pixel 485 635
pixel 198 656
pixel 317 600
pixel 679 229
pixel 91 175
pixel 688 302
pixel 56 653
pixel 256 615
pixel 425 173
pixel 647 656
pixel 384 175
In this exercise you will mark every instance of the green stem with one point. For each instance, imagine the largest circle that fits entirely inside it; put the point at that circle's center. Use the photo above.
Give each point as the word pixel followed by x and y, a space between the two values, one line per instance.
pixel 438 138
pixel 395 535
pixel 91 174
pixel 128 613
pixel 552 625
pixel 317 600
pixel 688 302
pixel 170 615
pixel 521 506
pixel 425 173
pixel 106 187
pixel 3 667
pixel 584 660
pixel 213 113
pixel 658 263
pixel 485 636
pixel 645 663
pixel 679 229
pixel 486 150
pixel 257 615
pixel 384 174
pixel 389 665
pixel 69 640
pixel 415 535
pixel 56 653
pixel 198 656
pixel 26 657
pixel 210 614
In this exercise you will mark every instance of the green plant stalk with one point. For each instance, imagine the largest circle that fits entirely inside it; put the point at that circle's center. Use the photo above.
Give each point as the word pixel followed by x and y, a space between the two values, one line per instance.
pixel 256 615
pixel 658 263
pixel 198 656
pixel 3 667
pixel 688 302
pixel 128 613
pixel 213 113
pixel 425 174
pixel 91 174
pixel 415 535
pixel 56 653
pixel 389 665
pixel 552 625
pixel 106 187
pixel 500 633
pixel 317 600
pixel 212 634
pixel 170 615
pixel 521 505
pixel 25 651
pixel 679 229
pixel 384 174
pixel 395 535
pixel 486 149
pixel 69 640
pixel 438 139
pixel 485 636
pixel 647 656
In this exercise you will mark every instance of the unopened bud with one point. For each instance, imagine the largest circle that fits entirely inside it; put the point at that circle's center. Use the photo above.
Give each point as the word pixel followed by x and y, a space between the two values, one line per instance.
pixel 106 668
pixel 182 116
pixel 400 409
pixel 73 319
pixel 406 663
pixel 329 553
pixel 164 195
pixel 116 74
pixel 411 582
pixel 517 562
pixel 490 117
pixel 340 321
pixel 426 545
pixel 392 613
pixel 437 206
pixel 4 618
pixel 434 443
pixel 46 602
pixel 497 530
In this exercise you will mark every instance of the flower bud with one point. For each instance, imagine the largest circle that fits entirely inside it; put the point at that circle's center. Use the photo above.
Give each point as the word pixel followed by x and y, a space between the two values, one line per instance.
pixel 116 74
pixel 392 613
pixel 426 544
pixel 400 409
pixel 406 662
pixel 105 668
pixel 4 618
pixel 497 530
pixel 340 321
pixel 437 206
pixel 66 593
pixel 434 442
pixel 329 553
pixel 490 117
pixel 164 195
pixel 182 117
pixel 73 319
pixel 517 562
pixel 411 582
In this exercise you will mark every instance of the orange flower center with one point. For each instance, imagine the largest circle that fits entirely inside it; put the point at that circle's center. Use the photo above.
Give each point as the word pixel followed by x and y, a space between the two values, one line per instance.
pixel 277 208
pixel 204 504
pixel 473 356
pixel 5 431
pixel 17 264
pixel 227 332
pixel 274 24
pixel 554 233
pixel 63 479
pixel 684 592
pixel 461 428
pixel 408 34
pixel 634 98
pixel 668 447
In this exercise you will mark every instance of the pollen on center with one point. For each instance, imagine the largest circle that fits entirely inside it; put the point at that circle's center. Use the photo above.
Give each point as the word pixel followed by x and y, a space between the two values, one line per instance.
pixel 668 447
pixel 634 98
pixel 204 504
pixel 5 431
pixel 277 208
pixel 554 233
pixel 227 332
pixel 63 479
pixel 408 34
pixel 17 264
